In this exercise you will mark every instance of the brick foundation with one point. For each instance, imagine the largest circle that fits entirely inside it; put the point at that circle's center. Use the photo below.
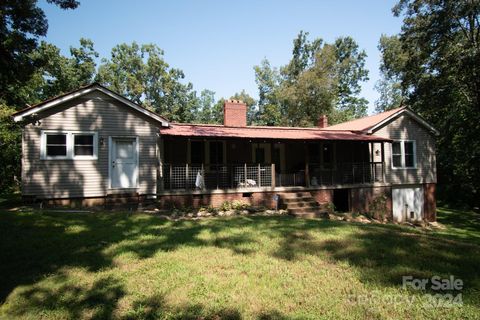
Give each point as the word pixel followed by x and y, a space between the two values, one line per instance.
pixel 361 199
pixel 322 196
pixel 430 204
pixel 216 199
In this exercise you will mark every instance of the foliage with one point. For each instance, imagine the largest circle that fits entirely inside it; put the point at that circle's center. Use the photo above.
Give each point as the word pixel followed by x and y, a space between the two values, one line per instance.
pixel 10 156
pixel 234 205
pixel 439 72
pixel 269 111
pixel 210 111
pixel 351 72
pixel 320 78
pixel 393 60
pixel 207 112
pixel 140 73
pixel 59 74
pixel 21 24
pixel 330 206
pixel 312 92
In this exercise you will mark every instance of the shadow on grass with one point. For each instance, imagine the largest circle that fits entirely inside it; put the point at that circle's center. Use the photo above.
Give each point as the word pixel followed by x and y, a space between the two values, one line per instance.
pixel 97 301
pixel 383 254
pixel 155 307
pixel 34 245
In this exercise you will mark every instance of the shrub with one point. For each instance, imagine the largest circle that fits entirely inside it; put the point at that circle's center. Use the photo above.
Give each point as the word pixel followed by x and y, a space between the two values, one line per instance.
pixel 330 207
pixel 234 205
pixel 209 209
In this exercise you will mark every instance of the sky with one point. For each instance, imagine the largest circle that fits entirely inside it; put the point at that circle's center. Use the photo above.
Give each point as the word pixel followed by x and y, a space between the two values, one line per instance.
pixel 217 43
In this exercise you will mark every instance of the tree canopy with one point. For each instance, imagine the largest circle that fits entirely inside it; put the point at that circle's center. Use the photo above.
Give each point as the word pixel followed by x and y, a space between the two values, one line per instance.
pixel 21 25
pixel 435 64
pixel 320 78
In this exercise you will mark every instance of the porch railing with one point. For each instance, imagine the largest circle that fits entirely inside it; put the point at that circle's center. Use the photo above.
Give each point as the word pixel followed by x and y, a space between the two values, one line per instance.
pixel 345 173
pixel 187 176
pixel 245 176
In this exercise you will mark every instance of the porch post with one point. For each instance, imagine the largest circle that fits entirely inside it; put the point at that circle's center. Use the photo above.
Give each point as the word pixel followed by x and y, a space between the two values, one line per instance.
pixel 363 166
pixel 186 176
pixel 383 160
pixel 259 175
pixel 273 175
pixel 245 174
pixel 371 148
pixel 170 173
pixel 307 175
pixel 160 165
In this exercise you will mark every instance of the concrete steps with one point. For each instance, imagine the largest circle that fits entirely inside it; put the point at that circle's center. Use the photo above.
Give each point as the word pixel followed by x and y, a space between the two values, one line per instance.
pixel 302 204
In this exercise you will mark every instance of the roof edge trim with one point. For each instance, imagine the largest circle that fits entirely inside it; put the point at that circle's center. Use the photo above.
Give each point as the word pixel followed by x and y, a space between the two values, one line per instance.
pixel 20 115
pixel 415 116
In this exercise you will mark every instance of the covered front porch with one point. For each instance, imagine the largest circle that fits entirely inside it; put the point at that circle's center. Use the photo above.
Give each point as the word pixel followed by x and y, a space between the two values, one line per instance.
pixel 213 163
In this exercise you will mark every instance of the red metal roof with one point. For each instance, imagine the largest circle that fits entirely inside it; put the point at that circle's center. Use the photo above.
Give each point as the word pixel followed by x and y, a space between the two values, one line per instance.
pixel 258 132
pixel 363 124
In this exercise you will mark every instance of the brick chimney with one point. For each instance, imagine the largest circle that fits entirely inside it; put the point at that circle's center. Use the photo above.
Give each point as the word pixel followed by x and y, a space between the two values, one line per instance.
pixel 234 113
pixel 323 121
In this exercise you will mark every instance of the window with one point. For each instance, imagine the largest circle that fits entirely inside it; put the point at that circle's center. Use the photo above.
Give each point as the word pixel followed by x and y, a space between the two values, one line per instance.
pixel 83 145
pixel 403 154
pixel 56 145
pixel 68 145
pixel 397 154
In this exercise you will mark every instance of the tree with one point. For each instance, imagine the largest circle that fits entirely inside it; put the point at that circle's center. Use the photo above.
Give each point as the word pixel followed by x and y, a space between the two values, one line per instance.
pixel 441 76
pixel 320 78
pixel 303 56
pixel 206 112
pixel 393 60
pixel 140 73
pixel 21 24
pixel 10 144
pixel 351 72
pixel 268 82
pixel 313 92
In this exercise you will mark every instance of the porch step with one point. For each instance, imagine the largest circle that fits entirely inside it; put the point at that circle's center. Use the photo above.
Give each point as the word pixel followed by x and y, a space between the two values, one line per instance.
pixel 298 199
pixel 296 195
pixel 302 204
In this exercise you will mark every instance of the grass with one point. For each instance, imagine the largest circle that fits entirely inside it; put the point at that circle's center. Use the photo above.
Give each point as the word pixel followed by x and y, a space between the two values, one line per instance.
pixel 136 266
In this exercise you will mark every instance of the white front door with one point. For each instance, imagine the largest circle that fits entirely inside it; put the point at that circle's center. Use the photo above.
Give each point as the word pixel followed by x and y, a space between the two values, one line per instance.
pixel 123 163
pixel 407 203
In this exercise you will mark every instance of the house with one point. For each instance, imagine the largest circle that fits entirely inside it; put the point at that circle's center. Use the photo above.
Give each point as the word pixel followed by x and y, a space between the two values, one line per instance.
pixel 92 144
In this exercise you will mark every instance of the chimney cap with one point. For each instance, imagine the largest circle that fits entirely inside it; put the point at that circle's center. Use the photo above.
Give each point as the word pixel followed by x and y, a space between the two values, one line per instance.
pixel 235 101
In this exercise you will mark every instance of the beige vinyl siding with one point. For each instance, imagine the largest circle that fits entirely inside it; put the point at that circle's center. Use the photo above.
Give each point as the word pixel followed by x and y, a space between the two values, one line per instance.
pixel 406 128
pixel 86 178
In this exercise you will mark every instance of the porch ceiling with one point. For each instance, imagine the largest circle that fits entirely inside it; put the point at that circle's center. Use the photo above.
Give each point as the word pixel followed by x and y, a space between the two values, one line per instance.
pixel 257 132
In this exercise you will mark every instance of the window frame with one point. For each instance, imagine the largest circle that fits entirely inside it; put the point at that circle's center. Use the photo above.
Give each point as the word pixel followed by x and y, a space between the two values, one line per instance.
pixel 402 154
pixel 70 141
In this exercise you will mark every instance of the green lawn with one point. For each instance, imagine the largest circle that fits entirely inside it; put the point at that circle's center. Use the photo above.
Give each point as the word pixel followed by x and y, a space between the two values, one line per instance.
pixel 124 266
